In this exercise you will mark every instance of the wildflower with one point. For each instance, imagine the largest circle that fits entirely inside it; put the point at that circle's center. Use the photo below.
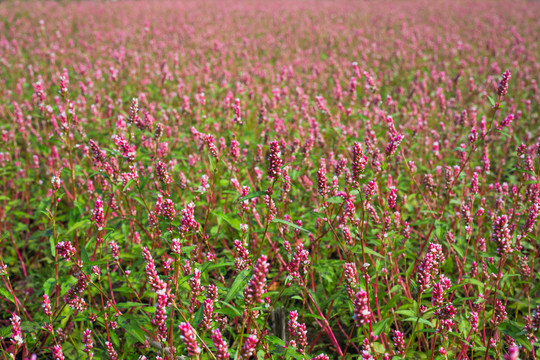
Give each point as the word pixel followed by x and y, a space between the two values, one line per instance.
pixel 126 150
pixel 359 161
pixel 300 259
pixel 158 133
pixel 46 305
pixel 503 85
pixel 428 268
pixel 321 357
pixel 237 112
pixel 188 222
pixel 56 181
pixel 242 260
pixel 204 184
pixel 64 82
pixel 275 162
pixel 187 335
pixel 499 313
pixel 297 332
pixel 98 215
pixel 248 349
pixel 16 334
pixel 209 139
pixel 437 295
pixel 445 316
pixel 501 235
pixel 153 279
pixel 110 351
pixel 160 316
pixel 322 182
pixel 88 344
pixel 175 246
pixel 399 343
pixel 513 353
pixel 429 183
pixel 220 344
pixel 474 321
pixel 196 289
pixel 133 109
pixel 531 219
pixel 207 314
pixel 162 173
pixel 235 150
pixel 373 214
pixel 167 209
pixel 65 249
pixel 57 353
pixel 362 314
pixel 347 236
pixel 256 285
pixel 506 122
pixel 321 104
pixel 392 196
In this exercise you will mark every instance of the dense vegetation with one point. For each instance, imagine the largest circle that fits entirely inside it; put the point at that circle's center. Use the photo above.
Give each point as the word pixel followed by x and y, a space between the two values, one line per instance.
pixel 269 180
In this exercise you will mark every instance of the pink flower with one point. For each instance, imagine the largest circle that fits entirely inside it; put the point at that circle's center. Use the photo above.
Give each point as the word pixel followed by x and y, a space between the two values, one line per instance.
pixel 256 285
pixel 503 85
pixel 220 344
pixel 46 305
pixel 399 343
pixel 97 215
pixel 187 335
pixel 65 249
pixel 322 182
pixel 88 344
pixel 362 314
pixel 16 334
pixel 57 353
pixel 275 162
pixel 248 349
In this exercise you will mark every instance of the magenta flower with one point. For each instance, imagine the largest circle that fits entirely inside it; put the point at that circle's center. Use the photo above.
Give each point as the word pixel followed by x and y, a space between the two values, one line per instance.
pixel 362 314
pixel 255 287
pixel 187 335
pixel 222 351
pixel 503 85
pixel 275 162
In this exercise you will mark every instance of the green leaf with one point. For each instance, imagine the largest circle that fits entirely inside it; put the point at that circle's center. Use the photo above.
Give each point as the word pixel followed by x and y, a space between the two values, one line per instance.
pixel 379 327
pixel 128 184
pixel 459 250
pixel 48 286
pixel 30 326
pixel 229 310
pixel 281 221
pixel 420 320
pixel 406 312
pixel 274 340
pixel 84 255
pixel 238 284
pixel 474 282
pixel 235 223
pixel 53 246
pixel 335 200
pixel 5 293
pixel 77 225
pixel 357 249
pixel 199 315
pixel 129 304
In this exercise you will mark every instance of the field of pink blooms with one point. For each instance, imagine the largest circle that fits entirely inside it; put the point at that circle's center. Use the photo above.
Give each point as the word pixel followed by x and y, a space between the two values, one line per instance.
pixel 270 180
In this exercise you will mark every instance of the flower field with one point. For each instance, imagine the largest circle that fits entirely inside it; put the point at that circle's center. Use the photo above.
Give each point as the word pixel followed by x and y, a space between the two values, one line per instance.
pixel 269 180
